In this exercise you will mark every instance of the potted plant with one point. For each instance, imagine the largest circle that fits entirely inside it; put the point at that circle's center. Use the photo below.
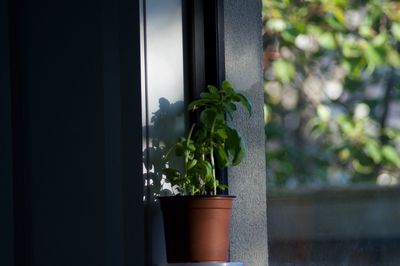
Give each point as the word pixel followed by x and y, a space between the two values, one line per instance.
pixel 197 220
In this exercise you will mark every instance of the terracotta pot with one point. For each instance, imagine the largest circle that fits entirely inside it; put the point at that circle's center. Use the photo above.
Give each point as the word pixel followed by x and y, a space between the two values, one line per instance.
pixel 196 228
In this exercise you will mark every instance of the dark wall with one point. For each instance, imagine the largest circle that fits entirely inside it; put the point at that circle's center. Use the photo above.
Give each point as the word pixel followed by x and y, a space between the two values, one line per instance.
pixel 6 186
pixel 75 82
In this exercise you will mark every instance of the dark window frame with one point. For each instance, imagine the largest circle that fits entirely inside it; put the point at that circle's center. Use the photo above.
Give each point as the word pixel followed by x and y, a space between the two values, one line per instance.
pixel 204 52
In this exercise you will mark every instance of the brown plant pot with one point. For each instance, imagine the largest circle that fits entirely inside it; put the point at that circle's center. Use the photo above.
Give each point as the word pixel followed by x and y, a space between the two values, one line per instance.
pixel 196 228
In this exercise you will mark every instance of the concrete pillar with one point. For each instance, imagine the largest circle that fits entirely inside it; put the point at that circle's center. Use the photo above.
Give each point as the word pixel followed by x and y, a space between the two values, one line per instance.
pixel 247 181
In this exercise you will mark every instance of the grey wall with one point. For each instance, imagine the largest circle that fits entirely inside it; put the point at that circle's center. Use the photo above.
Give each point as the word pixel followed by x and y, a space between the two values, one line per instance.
pixel 76 133
pixel 248 180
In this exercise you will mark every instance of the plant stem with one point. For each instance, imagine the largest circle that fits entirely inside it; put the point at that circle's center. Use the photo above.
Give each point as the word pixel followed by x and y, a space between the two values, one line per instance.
pixel 169 150
pixel 212 157
pixel 186 154
pixel 187 144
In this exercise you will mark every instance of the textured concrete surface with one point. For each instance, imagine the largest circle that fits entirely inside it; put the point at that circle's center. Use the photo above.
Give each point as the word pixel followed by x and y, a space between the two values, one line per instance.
pixel 243 50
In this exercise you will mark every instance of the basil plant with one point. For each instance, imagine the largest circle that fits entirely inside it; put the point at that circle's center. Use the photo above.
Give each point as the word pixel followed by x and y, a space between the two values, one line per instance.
pixel 209 144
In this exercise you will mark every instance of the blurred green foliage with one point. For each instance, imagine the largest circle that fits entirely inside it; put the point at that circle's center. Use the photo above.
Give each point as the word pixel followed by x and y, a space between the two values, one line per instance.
pixel 332 107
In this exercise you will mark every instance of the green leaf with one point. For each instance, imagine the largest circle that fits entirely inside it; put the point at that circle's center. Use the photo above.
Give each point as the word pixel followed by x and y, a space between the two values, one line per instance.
pixel 226 84
pixel 284 70
pixel 222 157
pixel 212 89
pixel 190 146
pixel 324 112
pixel 380 39
pixel 204 169
pixel 331 21
pixel 365 31
pixel 317 127
pixel 222 186
pixel 391 154
pixel 231 107
pixel 221 134
pixel 196 104
pixel 235 145
pixel 363 169
pixel 227 87
pixel 290 35
pixel 396 30
pixel 246 103
pixel 373 56
pixel 191 163
pixel 327 40
pixel 208 96
pixel 393 58
pixel 208 116
pixel 392 133
pixel 337 12
pixel 372 149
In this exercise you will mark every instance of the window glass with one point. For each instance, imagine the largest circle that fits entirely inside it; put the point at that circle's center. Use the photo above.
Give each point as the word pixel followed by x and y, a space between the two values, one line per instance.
pixel 332 120
pixel 163 91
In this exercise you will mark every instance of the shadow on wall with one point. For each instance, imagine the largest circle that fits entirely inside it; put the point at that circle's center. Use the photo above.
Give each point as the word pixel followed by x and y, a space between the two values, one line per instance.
pixel 162 131
pixel 165 126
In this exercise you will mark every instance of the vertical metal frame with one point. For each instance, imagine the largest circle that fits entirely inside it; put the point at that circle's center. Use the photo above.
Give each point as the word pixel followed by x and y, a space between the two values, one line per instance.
pixel 214 41
pixel 203 44
pixel 21 184
pixel 145 131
